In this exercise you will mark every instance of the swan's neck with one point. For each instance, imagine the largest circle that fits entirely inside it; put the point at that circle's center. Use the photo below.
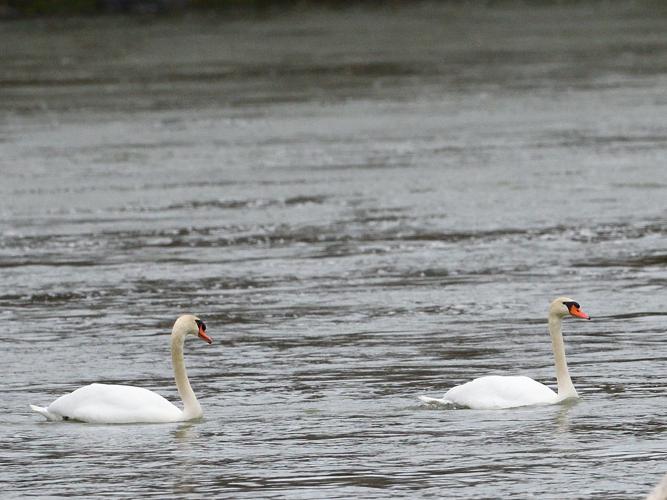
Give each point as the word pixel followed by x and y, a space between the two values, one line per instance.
pixel 191 408
pixel 565 387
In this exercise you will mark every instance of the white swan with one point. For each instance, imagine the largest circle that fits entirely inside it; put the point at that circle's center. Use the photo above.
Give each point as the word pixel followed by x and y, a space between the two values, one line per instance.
pixel 494 392
pixel 123 404
pixel 660 490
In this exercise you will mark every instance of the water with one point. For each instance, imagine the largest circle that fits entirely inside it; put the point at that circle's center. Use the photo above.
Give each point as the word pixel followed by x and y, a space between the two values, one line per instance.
pixel 365 205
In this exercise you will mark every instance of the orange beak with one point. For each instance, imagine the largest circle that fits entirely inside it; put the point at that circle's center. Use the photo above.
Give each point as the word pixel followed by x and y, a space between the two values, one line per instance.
pixel 203 336
pixel 578 313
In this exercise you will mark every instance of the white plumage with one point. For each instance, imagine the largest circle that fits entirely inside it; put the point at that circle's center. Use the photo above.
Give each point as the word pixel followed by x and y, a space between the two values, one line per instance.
pixel 496 392
pixel 122 404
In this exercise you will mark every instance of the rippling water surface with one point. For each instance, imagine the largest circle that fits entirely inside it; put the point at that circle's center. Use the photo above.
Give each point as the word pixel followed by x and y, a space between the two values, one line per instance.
pixel 365 206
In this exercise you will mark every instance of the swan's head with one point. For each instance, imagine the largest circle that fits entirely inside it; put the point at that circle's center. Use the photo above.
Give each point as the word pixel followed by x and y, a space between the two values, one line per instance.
pixel 189 324
pixel 563 306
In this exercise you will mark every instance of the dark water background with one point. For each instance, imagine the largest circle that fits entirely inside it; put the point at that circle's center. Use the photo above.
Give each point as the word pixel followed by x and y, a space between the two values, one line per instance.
pixel 365 205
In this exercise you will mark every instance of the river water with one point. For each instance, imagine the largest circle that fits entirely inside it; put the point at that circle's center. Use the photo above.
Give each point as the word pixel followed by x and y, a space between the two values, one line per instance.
pixel 364 205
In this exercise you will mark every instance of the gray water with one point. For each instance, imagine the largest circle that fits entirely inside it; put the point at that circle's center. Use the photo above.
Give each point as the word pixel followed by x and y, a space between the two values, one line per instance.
pixel 364 205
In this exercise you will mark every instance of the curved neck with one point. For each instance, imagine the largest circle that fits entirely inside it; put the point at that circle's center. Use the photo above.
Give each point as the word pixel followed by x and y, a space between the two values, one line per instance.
pixel 565 387
pixel 191 408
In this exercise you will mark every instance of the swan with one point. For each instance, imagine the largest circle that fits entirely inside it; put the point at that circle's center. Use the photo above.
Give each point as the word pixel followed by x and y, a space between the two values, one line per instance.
pixel 496 392
pixel 123 404
pixel 660 490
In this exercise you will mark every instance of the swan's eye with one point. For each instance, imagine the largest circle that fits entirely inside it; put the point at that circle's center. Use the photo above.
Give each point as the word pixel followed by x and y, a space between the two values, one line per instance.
pixel 569 305
pixel 200 325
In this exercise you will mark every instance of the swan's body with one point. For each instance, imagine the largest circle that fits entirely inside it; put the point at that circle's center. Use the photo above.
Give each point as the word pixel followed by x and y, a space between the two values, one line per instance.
pixel 112 404
pixel 121 404
pixel 495 392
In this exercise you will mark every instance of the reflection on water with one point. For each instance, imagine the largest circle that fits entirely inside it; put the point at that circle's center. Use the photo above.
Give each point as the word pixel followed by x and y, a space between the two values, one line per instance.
pixel 183 462
pixel 364 205
pixel 185 433
pixel 562 419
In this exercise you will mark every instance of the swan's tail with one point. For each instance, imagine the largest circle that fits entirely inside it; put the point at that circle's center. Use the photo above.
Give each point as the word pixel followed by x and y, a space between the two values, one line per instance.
pixel 45 412
pixel 433 401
